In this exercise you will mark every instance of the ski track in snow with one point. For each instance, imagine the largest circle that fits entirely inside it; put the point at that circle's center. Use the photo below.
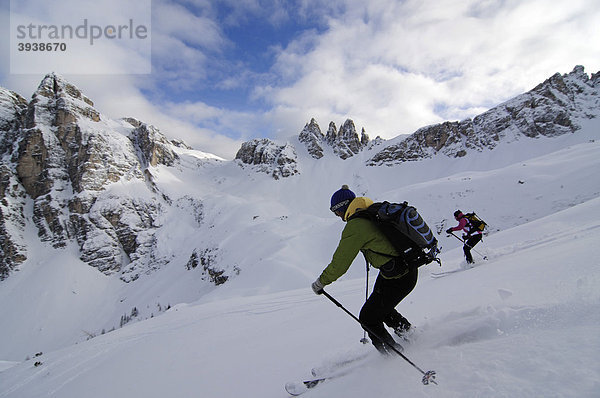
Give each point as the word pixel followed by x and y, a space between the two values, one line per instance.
pixel 482 324
pixel 525 323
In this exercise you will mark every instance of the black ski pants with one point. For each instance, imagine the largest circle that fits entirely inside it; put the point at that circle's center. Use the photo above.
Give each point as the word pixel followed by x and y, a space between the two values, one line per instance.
pixel 469 244
pixel 380 308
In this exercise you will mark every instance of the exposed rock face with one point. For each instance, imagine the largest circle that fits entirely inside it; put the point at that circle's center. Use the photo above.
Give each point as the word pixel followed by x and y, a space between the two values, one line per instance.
pixel 154 147
pixel 552 108
pixel 313 138
pixel 12 197
pixel 345 143
pixel 205 260
pixel 58 151
pixel 268 157
pixel 65 157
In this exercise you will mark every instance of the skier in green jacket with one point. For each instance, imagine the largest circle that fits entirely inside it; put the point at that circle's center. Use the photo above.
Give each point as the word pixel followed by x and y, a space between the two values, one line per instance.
pixel 394 282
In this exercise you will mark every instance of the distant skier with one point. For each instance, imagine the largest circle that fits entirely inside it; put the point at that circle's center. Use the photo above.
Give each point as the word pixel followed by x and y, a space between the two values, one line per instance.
pixel 471 235
pixel 394 282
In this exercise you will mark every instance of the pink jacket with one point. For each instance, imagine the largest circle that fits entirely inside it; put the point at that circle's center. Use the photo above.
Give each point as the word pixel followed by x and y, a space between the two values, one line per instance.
pixel 463 224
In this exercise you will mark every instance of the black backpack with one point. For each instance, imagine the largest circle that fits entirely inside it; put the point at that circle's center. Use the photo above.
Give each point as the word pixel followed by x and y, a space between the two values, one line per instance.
pixel 406 230
pixel 476 223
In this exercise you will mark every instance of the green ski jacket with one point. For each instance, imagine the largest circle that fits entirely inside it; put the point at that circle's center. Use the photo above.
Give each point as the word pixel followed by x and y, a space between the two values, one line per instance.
pixel 359 234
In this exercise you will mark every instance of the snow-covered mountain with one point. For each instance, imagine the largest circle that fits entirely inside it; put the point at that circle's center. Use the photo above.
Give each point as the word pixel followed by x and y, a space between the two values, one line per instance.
pixel 555 107
pixel 93 181
pixel 105 224
pixel 89 180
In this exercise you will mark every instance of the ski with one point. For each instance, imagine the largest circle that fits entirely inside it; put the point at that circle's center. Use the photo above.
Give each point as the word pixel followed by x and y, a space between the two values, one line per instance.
pixel 326 372
pixel 428 377
pixel 298 388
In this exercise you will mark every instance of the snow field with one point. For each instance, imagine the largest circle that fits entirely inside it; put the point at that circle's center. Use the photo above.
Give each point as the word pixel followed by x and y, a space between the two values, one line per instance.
pixel 525 323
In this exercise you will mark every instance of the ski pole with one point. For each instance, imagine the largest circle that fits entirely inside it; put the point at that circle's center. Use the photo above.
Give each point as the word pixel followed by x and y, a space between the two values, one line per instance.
pixel 428 377
pixel 364 340
pixel 470 247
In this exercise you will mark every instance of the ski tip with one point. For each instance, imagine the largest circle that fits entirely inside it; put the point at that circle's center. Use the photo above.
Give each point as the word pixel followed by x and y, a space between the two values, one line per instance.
pixel 295 388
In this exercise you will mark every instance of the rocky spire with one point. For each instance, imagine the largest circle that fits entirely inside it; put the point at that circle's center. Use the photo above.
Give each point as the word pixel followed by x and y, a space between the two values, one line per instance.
pixel 312 137
pixel 345 143
pixel 331 133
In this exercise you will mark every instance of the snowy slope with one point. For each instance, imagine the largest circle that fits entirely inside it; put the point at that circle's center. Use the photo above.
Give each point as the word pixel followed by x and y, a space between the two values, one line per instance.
pixel 525 323
pixel 275 236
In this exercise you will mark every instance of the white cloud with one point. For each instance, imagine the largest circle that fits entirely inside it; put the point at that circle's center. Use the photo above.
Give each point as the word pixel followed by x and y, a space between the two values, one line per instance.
pixel 390 64
pixel 182 43
pixel 109 37
pixel 179 23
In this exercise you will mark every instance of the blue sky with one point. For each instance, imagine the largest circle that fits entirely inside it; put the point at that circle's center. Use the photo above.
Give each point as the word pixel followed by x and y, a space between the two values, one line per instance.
pixel 250 42
pixel 227 71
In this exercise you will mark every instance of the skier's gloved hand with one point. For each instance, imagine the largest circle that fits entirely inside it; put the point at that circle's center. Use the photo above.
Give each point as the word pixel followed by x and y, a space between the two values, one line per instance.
pixel 449 231
pixel 317 286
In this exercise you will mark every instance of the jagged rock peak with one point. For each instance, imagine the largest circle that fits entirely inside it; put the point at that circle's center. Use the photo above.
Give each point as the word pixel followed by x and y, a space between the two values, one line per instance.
pixel 348 142
pixel 55 85
pixel 57 97
pixel 364 137
pixel 345 143
pixel 312 137
pixel 313 128
pixel 348 130
pixel 331 132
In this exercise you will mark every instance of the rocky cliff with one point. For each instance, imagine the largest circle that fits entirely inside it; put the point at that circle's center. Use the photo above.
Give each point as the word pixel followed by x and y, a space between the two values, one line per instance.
pixel 13 251
pixel 268 157
pixel 345 143
pixel 553 108
pixel 279 161
pixel 64 157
